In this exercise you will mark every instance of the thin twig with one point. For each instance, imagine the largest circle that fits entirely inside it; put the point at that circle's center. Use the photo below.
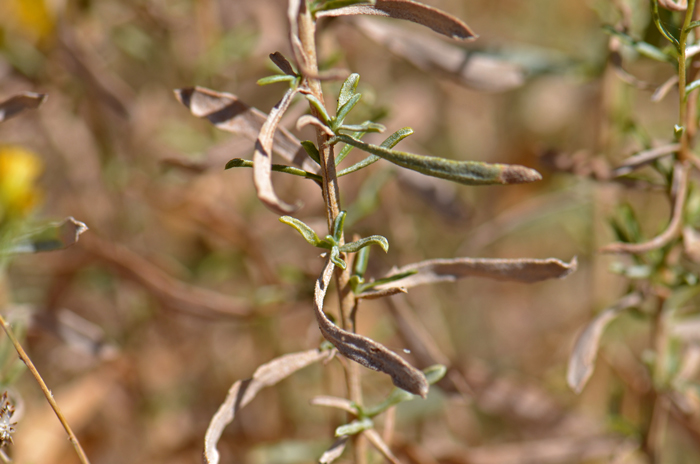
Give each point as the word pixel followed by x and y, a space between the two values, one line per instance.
pixel 47 393
pixel 680 185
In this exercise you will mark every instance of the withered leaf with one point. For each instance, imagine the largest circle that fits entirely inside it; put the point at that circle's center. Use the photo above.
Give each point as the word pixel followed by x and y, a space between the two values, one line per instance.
pixel 439 21
pixel 448 270
pixel 363 350
pixel 334 402
pixel 582 360
pixel 56 236
pixel 20 102
pixel 262 158
pixel 228 113
pixel 335 451
pixel 470 68
pixel 381 446
pixel 243 391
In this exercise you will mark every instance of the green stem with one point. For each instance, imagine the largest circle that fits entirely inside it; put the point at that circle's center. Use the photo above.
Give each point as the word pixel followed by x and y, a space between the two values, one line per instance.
pixel 683 121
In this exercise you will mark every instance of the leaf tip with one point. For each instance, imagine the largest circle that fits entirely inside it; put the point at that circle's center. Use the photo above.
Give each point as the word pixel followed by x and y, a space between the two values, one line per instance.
pixel 515 174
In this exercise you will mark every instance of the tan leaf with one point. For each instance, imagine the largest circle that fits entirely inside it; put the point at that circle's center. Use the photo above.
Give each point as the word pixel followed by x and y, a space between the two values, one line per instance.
pixel 449 270
pixel 334 402
pixel 582 360
pixel 335 451
pixel 262 158
pixel 381 446
pixel 408 10
pixel 243 391
pixel 228 113
pixel 20 102
pixel 470 69
pixel 363 350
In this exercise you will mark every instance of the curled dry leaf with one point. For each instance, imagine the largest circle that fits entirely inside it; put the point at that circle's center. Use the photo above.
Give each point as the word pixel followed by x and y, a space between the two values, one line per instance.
pixel 262 158
pixel 408 10
pixel 381 293
pixel 242 392
pixel 449 270
pixel 471 69
pixel 313 120
pixel 20 102
pixel 363 350
pixel 335 451
pixel 56 236
pixel 228 113
pixel 582 360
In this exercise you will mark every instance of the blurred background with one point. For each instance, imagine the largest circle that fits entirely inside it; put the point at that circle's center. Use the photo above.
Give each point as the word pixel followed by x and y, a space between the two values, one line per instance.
pixel 185 283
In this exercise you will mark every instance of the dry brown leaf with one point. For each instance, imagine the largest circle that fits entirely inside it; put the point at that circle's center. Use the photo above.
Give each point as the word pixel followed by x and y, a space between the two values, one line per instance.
pixel 335 451
pixel 471 69
pixel 363 350
pixel 408 10
pixel 262 158
pixel 243 391
pixel 381 293
pixel 449 270
pixel 20 102
pixel 228 113
pixel 582 360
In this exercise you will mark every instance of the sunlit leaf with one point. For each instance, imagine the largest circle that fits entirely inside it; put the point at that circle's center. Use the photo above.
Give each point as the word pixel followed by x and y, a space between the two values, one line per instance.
pixel 55 236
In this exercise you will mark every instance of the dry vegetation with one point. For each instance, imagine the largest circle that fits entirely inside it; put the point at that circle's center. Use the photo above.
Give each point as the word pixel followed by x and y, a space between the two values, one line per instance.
pixel 185 282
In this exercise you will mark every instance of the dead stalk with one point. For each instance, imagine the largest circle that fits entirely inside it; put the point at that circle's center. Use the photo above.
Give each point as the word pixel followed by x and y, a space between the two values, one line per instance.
pixel 47 393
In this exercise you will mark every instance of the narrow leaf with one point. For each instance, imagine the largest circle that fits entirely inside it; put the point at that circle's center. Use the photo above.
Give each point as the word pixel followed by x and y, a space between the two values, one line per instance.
pixel 408 10
pixel 243 392
pixel 354 427
pixel 390 142
pixel 470 68
pixel 347 149
pixel 381 446
pixel 363 350
pixel 354 247
pixel 335 402
pixel 380 293
pixel 582 360
pixel 367 126
pixel 361 261
pixel 275 79
pixel 448 270
pixel 339 225
pixel 20 102
pixel 335 451
pixel 336 259
pixel 313 120
pixel 242 163
pixel 262 158
pixel 312 151
pixel 56 236
pixel 305 231
pixel 463 172
pixel 333 4
pixel 283 64
pixel 228 113
pixel 643 48
pixel 316 103
pixel 347 90
pixel 344 110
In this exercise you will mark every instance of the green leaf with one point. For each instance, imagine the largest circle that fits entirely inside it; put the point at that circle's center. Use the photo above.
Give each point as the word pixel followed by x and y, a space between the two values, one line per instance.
pixel 305 231
pixel 344 110
pixel 354 427
pixel 363 287
pixel 660 26
pixel 643 48
pixel 390 142
pixel 348 88
pixel 243 163
pixel 692 86
pixel 335 4
pixel 433 374
pixel 312 151
pixel 367 126
pixel 335 258
pixel 361 261
pixel 463 172
pixel 348 148
pixel 354 247
pixel 338 226
pixel 692 25
pixel 316 103
pixel 274 79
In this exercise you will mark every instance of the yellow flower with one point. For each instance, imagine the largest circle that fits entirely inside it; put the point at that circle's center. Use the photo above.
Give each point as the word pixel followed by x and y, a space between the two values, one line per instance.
pixel 31 18
pixel 19 170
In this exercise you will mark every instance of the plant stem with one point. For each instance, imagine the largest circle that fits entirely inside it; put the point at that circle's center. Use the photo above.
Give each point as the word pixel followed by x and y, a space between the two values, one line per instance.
pixel 307 30
pixel 683 120
pixel 47 393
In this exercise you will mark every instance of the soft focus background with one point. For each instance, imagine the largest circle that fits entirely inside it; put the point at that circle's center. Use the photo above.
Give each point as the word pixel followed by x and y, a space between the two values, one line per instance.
pixel 185 282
